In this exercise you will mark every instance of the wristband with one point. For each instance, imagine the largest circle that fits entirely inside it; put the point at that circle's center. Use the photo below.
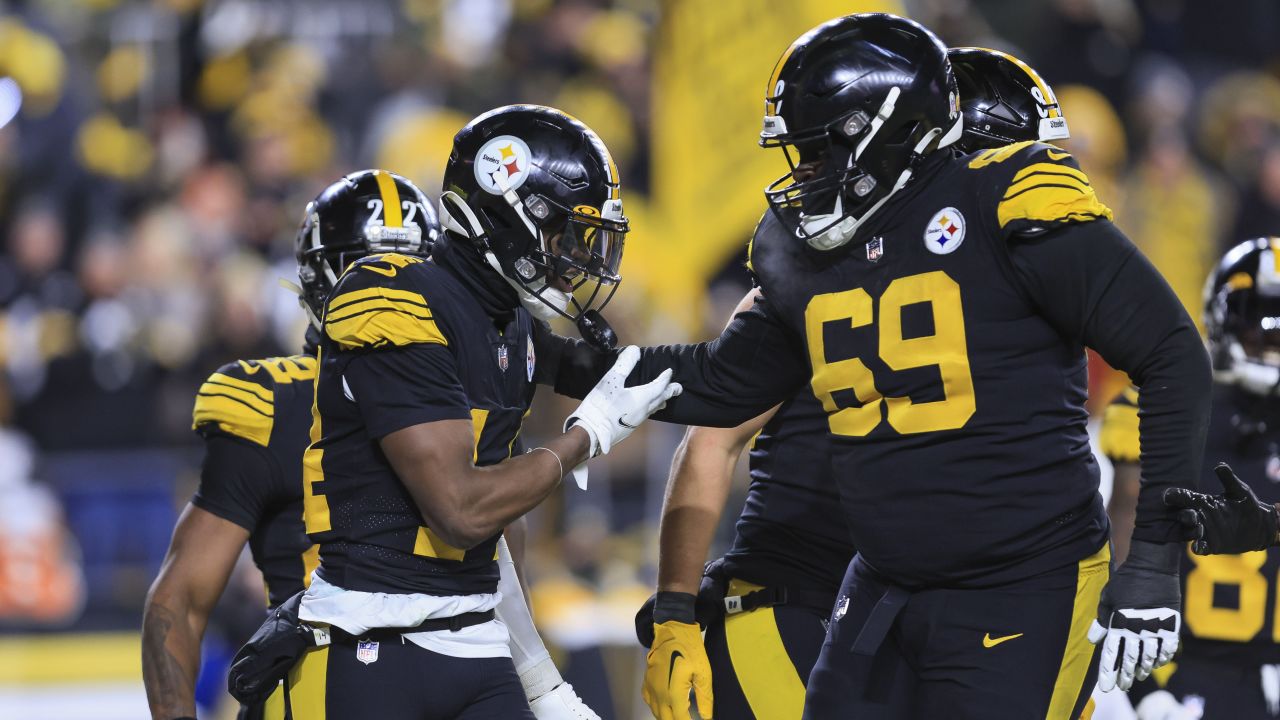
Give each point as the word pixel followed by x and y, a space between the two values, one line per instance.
pixel 677 606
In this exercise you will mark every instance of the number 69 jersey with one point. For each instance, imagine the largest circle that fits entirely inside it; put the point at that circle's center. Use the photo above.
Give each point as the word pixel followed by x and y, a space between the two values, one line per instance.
pixel 955 405
pixel 1227 600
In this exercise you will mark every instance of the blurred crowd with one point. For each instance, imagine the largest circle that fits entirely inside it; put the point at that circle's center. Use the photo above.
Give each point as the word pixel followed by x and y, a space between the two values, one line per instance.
pixel 155 157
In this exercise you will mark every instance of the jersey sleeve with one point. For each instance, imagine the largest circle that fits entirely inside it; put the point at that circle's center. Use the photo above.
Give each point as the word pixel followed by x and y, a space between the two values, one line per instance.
pixel 403 386
pixel 1119 436
pixel 377 304
pixel 238 400
pixel 1039 187
pixel 236 480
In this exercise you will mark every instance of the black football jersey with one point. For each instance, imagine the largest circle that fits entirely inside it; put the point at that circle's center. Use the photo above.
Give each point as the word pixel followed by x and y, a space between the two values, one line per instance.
pixel 791 530
pixel 255 417
pixel 1230 603
pixel 405 343
pixel 955 407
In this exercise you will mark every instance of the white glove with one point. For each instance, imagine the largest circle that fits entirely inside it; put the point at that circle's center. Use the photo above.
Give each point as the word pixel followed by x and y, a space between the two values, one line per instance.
pixel 611 411
pixel 1137 642
pixel 1162 705
pixel 562 703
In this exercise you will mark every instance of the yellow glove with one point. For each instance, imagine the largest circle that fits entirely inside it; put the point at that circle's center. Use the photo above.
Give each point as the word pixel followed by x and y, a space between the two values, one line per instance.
pixel 677 662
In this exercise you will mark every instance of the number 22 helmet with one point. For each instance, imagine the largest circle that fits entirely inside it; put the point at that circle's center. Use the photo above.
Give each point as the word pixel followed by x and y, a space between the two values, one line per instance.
pixel 364 213
pixel 1003 100
pixel 537 194
pixel 856 104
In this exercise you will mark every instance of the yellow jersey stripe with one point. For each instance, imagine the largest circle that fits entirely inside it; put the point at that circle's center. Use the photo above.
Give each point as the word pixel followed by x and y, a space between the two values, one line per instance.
pixel 428 544
pixel 1049 203
pixel 347 298
pixel 390 199
pixel 265 408
pixel 479 416
pixel 382 327
pixel 1091 574
pixel 760 661
pixel 1055 168
pixel 375 305
pixel 1064 183
pixel 264 393
pixel 998 155
pixel 234 417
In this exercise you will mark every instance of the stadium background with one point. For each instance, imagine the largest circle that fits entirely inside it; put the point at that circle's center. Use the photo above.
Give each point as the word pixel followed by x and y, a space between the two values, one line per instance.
pixel 155 158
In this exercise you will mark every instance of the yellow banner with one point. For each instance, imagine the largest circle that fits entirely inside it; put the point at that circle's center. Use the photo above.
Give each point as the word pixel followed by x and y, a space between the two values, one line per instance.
pixel 712 60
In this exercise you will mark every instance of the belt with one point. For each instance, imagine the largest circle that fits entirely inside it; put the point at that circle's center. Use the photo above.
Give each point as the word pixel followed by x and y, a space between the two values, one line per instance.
pixel 776 595
pixel 452 624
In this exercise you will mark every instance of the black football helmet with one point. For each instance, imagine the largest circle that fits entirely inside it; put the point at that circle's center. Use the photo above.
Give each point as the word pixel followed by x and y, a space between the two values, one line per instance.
pixel 1242 315
pixel 860 100
pixel 364 213
pixel 1003 100
pixel 537 194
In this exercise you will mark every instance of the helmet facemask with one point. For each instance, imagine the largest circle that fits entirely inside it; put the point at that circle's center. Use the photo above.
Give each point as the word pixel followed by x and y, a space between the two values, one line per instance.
pixel 571 267
pixel 841 173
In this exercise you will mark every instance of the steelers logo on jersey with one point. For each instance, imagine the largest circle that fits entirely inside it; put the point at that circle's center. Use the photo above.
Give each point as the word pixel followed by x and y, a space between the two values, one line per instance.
pixel 502 164
pixel 945 231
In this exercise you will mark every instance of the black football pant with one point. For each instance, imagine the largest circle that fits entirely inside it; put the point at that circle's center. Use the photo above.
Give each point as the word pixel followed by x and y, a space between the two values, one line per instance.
pixel 1015 652
pixel 404 682
pixel 760 660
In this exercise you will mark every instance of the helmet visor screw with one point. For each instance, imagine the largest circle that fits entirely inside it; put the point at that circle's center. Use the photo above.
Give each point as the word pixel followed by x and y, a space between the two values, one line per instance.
pixel 854 124
pixel 864 185
pixel 525 269
pixel 538 207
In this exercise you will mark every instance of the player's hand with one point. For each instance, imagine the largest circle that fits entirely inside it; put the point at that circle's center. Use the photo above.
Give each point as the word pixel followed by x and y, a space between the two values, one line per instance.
pixel 562 703
pixel 708 608
pixel 1139 615
pixel 611 410
pixel 1234 522
pixel 1162 705
pixel 677 662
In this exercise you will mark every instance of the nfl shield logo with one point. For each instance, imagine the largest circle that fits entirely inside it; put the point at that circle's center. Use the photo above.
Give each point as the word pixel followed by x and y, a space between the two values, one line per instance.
pixel 367 651
pixel 842 607
pixel 502 357
pixel 530 359
pixel 875 248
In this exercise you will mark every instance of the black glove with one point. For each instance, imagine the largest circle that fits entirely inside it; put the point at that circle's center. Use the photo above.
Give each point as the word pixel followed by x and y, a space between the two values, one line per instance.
pixel 273 650
pixel 1234 522
pixel 708 608
pixel 1139 615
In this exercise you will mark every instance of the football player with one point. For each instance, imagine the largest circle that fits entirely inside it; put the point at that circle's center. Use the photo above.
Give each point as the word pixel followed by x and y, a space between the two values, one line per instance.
pixel 1229 635
pixel 426 370
pixel 251 484
pixel 790 551
pixel 939 304
pixel 255 416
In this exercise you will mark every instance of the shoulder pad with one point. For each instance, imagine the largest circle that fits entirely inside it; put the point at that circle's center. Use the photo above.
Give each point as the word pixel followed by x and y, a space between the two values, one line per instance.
pixel 238 399
pixel 376 303
pixel 1041 186
pixel 1119 437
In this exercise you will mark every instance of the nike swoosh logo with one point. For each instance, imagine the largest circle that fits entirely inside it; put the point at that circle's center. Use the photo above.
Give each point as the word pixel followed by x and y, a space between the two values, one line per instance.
pixel 249 369
pixel 626 424
pixel 1056 155
pixel 672 667
pixel 990 642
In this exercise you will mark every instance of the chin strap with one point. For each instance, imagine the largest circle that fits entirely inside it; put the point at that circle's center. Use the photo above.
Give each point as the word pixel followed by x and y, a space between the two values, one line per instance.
pixel 296 289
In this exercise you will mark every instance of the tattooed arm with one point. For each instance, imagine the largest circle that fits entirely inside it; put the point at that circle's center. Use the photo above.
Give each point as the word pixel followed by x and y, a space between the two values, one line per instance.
pixel 201 555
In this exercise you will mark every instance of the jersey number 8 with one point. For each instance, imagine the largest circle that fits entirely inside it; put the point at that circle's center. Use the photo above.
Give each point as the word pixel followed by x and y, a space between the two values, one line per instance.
pixel 946 348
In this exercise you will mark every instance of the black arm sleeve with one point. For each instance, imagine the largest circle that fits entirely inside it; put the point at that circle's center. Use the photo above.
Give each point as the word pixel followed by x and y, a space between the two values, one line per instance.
pixel 237 480
pixel 756 363
pixel 1097 289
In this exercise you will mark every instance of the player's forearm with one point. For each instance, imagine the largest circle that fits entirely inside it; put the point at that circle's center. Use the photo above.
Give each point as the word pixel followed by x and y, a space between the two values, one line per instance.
pixel 1121 507
pixel 487 499
pixel 171 635
pixel 701 472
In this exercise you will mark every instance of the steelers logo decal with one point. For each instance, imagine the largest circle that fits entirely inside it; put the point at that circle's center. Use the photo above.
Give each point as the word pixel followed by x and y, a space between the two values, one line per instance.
pixel 502 162
pixel 945 231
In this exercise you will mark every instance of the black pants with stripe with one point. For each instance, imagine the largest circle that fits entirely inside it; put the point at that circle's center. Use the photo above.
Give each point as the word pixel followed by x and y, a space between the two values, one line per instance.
pixel 1016 652
pixel 405 682
pixel 760 660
